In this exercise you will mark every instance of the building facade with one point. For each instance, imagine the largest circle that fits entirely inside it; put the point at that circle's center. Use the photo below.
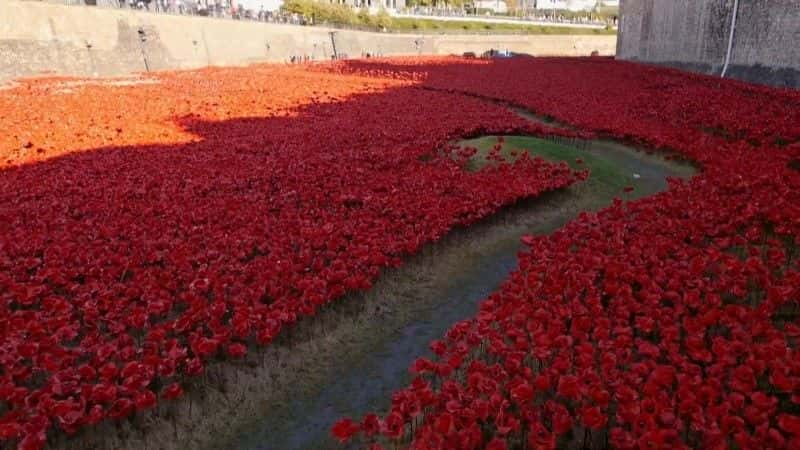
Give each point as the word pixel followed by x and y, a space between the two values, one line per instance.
pixel 571 5
pixel 496 6
pixel 375 5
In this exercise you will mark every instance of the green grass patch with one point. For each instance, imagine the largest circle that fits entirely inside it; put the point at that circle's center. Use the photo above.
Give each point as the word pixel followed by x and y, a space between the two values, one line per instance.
pixel 602 171
pixel 610 172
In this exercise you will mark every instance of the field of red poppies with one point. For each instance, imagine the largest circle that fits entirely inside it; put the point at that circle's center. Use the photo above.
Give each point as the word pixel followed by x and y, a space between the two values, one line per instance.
pixel 148 229
pixel 669 322
pixel 152 227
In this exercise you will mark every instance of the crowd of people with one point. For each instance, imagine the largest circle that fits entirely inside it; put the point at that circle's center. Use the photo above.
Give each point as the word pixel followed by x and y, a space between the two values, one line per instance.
pixel 212 8
pixel 532 16
pixel 229 9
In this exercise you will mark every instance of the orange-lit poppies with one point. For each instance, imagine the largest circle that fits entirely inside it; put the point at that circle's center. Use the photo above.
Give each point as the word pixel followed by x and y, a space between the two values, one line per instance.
pixel 148 228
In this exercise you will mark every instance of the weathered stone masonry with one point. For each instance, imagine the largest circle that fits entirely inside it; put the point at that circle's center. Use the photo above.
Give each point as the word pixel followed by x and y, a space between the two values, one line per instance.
pixel 693 35
pixel 39 38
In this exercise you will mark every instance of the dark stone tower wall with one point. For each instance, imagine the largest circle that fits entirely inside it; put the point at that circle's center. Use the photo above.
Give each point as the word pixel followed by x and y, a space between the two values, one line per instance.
pixel 693 35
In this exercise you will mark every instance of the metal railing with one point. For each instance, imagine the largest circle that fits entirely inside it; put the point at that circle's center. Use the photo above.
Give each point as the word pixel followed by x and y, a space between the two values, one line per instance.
pixel 219 10
pixel 529 18
pixel 203 8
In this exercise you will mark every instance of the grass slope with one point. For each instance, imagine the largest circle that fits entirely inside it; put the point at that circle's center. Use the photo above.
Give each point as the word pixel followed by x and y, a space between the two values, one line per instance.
pixel 611 167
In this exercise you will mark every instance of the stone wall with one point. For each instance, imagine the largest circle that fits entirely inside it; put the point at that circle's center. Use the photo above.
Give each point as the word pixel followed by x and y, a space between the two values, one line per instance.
pixel 40 38
pixel 693 34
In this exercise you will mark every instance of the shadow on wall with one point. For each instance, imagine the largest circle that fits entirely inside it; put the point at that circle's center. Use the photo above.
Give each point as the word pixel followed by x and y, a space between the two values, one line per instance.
pixel 782 77
pixel 695 35
pixel 773 76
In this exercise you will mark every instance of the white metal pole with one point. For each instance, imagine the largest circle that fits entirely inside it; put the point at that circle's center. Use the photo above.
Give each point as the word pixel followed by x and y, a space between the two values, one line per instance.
pixel 730 38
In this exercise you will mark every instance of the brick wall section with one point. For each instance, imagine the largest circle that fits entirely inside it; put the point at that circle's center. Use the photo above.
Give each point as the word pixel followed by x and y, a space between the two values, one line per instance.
pixel 693 34
pixel 38 38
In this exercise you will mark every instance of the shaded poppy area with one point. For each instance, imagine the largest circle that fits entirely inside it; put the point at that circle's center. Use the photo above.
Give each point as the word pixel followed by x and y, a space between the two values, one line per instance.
pixel 145 230
pixel 667 107
pixel 125 269
pixel 667 322
pixel 467 266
